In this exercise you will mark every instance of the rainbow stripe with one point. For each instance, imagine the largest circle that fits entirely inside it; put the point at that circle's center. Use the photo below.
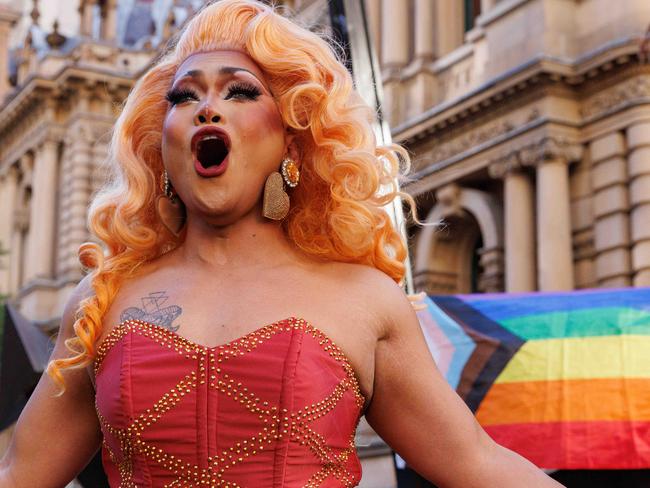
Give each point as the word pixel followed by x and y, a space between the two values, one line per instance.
pixel 563 378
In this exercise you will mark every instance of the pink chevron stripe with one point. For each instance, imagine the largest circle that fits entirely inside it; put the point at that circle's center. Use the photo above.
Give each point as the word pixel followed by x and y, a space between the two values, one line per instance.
pixel 439 344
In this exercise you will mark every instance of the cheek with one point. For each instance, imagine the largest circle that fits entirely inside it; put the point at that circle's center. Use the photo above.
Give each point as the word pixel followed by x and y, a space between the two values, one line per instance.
pixel 263 127
pixel 172 133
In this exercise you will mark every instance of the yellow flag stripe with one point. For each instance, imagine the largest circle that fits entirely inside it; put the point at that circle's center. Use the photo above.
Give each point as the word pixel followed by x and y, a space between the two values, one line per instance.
pixel 624 356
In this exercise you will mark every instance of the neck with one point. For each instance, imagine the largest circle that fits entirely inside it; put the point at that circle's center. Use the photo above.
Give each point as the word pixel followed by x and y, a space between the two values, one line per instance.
pixel 249 243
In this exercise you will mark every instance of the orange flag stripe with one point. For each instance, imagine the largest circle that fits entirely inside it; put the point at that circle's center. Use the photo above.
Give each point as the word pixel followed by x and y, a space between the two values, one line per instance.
pixel 566 400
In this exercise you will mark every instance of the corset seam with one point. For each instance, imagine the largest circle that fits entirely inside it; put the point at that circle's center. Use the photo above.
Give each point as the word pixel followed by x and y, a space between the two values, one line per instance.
pixel 125 384
pixel 140 462
pixel 287 394
pixel 202 417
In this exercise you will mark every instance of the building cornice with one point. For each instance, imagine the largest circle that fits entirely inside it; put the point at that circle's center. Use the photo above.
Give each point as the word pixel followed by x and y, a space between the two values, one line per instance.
pixel 40 88
pixel 35 106
pixel 530 155
pixel 540 71
pixel 529 144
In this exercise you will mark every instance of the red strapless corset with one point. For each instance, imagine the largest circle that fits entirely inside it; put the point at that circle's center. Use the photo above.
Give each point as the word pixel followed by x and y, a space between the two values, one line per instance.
pixel 275 408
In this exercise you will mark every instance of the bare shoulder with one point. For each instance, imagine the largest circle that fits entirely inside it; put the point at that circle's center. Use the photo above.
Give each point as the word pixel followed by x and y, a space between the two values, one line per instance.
pixel 378 293
pixel 82 291
pixel 364 278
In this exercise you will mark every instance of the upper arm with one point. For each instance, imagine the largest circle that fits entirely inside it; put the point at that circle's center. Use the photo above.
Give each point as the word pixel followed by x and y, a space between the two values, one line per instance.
pixel 67 421
pixel 413 408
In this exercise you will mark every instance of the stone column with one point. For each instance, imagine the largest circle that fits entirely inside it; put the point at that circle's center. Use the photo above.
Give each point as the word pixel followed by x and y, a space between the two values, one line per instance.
pixel 491 261
pixel 394 56
pixel 422 90
pixel 16 262
pixel 42 219
pixel 554 245
pixel 448 28
pixel 611 206
pixel 583 223
pixel 109 20
pixel 395 33
pixel 8 19
pixel 76 188
pixel 424 29
pixel 519 212
pixel 373 12
pixel 8 187
pixel 638 142
pixel 86 8
pixel 555 261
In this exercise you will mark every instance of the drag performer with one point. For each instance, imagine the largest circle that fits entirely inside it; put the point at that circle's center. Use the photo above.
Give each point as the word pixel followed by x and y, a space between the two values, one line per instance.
pixel 243 310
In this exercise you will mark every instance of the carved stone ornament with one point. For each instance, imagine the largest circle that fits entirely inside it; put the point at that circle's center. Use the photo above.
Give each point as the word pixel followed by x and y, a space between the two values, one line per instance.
pixel 55 39
pixel 471 139
pixel 21 219
pixel 500 167
pixel 485 134
pixel 617 96
pixel 550 148
pixel 449 198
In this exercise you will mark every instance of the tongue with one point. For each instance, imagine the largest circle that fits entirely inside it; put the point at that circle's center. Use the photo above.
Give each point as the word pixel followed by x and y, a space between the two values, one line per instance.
pixel 211 152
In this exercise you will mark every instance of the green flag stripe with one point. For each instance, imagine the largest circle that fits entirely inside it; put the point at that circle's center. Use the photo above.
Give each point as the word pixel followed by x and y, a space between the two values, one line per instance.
pixel 580 323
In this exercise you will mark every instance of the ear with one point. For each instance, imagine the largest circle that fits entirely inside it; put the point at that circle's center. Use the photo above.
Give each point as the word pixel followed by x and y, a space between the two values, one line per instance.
pixel 292 149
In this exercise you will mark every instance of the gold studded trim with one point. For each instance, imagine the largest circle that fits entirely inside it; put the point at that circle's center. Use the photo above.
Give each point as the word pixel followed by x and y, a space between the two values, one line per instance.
pixel 168 401
pixel 233 455
pixel 338 470
pixel 236 347
pixel 321 408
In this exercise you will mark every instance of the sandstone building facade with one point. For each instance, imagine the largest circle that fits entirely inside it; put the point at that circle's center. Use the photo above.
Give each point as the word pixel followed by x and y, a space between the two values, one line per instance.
pixel 529 126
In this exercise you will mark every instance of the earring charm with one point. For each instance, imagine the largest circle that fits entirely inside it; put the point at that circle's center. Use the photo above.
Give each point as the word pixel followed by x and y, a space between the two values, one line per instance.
pixel 167 188
pixel 290 172
pixel 275 205
pixel 170 208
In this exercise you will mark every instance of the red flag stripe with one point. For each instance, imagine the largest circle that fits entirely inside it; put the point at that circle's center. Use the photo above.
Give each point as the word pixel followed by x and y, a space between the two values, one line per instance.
pixel 578 445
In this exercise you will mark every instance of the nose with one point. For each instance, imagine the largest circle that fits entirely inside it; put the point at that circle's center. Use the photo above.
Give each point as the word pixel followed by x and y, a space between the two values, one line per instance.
pixel 206 114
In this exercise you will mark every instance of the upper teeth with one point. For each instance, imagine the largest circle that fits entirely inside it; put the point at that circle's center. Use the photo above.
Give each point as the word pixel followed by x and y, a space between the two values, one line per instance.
pixel 211 136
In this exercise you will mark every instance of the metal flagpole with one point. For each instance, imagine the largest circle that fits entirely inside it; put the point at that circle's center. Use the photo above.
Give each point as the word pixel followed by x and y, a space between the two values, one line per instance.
pixel 350 27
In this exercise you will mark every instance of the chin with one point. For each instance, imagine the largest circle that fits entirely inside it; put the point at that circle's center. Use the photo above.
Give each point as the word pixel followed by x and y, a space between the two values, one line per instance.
pixel 217 213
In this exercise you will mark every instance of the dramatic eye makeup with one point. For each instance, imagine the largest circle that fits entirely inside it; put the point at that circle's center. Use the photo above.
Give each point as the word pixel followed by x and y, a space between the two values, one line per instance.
pixel 242 90
pixel 179 95
pixel 239 90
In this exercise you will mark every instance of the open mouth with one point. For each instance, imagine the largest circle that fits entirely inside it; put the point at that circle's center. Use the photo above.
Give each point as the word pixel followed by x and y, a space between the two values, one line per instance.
pixel 211 151
pixel 210 147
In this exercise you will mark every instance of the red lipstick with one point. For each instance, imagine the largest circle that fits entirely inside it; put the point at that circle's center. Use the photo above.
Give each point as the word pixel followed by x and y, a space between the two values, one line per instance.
pixel 211 170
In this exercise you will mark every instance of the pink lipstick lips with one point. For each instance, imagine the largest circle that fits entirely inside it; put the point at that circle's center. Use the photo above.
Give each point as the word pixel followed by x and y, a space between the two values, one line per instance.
pixel 210 148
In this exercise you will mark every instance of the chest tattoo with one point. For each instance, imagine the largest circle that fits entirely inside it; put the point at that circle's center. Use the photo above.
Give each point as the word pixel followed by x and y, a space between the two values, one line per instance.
pixel 155 310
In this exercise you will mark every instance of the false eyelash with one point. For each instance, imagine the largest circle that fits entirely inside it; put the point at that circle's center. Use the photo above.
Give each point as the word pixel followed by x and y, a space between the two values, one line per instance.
pixel 245 89
pixel 176 96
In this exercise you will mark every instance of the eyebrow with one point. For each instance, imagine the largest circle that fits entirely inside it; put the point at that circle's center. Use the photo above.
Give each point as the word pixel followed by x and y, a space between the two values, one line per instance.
pixel 224 70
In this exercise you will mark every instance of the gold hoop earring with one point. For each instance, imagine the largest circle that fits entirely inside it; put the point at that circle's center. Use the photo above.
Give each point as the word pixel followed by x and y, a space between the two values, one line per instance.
pixel 170 208
pixel 276 202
